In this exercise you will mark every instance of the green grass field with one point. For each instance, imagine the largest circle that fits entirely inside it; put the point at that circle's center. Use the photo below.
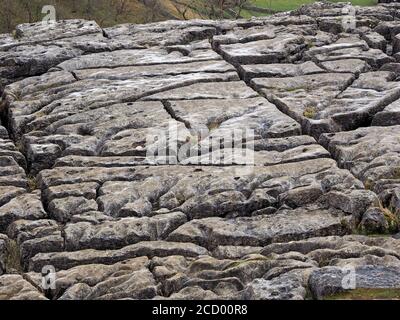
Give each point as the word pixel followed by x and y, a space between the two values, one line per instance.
pixel 285 5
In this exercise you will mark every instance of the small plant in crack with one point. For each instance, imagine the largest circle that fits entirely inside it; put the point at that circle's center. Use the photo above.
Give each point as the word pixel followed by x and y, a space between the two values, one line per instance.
pixel 392 220
pixel 40 114
pixel 213 125
pixel 15 35
pixel 391 217
pixel 19 146
pixel 239 263
pixel 347 159
pixel 310 112
pixel 396 173
pixel 180 198
pixel 294 89
pixel 13 257
pixel 310 44
pixel 32 183
pixel 368 185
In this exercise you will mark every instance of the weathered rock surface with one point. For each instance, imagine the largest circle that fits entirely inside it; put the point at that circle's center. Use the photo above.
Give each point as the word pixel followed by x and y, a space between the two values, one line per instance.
pixel 202 159
pixel 390 116
pixel 371 155
pixel 261 230
pixel 15 287
pixel 331 102
pixel 150 249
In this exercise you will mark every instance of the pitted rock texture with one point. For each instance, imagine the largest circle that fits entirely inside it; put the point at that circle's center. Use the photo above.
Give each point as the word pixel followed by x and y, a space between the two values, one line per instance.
pixel 115 168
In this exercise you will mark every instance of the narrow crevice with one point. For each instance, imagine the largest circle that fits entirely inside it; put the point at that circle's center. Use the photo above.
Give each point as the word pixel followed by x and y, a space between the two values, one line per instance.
pixel 4 117
pixel 105 35
pixel 171 112
pixel 348 84
pixel 46 293
pixel 75 76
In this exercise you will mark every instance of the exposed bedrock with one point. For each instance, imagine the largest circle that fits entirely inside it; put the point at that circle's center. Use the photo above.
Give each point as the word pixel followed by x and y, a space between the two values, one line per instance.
pixel 232 159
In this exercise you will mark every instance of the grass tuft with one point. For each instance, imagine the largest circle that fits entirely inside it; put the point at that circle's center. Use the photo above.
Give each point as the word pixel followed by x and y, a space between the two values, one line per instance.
pixel 310 112
pixel 13 257
pixel 367 294
pixel 396 173
pixel 32 183
pixel 239 263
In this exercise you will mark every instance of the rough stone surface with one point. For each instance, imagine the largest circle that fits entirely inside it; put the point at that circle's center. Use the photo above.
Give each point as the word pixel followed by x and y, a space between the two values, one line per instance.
pixel 15 287
pixel 390 116
pixel 232 159
pixel 371 155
